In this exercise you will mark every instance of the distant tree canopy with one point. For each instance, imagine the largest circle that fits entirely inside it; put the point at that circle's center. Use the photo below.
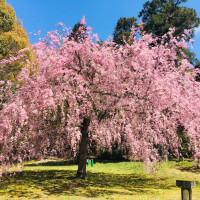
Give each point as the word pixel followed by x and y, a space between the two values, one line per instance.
pixel 76 34
pixel 160 15
pixel 7 17
pixel 123 29
pixel 13 38
pixel 79 31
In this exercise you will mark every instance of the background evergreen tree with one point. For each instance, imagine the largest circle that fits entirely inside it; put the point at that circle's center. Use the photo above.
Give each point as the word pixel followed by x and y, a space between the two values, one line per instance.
pixel 76 34
pixel 160 15
pixel 123 29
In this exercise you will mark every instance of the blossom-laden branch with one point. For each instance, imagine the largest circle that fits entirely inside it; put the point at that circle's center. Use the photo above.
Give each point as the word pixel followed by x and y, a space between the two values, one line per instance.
pixel 134 95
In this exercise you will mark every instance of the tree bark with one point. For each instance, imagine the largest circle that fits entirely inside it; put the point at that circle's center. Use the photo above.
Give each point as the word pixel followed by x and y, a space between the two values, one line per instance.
pixel 83 151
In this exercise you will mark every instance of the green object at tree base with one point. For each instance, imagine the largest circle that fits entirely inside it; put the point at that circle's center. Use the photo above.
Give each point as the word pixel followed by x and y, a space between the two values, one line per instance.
pixel 88 162
pixel 92 163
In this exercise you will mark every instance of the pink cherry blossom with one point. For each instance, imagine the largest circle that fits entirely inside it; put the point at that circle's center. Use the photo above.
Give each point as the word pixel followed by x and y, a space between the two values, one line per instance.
pixel 134 96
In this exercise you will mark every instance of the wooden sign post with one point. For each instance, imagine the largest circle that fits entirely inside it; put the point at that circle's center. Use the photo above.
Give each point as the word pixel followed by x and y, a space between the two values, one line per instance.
pixel 186 189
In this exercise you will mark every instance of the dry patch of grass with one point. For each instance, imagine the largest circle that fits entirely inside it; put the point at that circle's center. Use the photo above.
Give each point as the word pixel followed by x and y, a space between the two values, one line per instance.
pixel 55 180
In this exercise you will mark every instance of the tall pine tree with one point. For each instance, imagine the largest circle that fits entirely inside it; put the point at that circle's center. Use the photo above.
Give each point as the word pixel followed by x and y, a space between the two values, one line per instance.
pixel 160 15
pixel 123 29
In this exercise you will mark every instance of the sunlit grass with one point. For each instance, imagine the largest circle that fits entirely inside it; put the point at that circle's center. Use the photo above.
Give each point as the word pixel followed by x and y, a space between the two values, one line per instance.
pixel 55 180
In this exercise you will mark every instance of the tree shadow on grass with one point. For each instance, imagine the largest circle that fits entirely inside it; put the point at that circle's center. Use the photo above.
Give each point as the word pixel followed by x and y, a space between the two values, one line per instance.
pixel 98 160
pixel 190 169
pixel 52 163
pixel 71 162
pixel 63 182
pixel 188 166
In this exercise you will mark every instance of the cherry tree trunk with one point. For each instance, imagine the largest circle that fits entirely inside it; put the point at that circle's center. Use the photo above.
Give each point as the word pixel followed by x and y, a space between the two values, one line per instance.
pixel 83 151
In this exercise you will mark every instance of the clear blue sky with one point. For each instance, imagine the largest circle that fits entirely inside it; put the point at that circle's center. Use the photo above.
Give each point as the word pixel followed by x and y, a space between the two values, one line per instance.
pixel 101 15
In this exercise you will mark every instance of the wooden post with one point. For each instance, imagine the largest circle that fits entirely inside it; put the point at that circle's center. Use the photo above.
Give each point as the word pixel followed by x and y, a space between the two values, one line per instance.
pixel 186 189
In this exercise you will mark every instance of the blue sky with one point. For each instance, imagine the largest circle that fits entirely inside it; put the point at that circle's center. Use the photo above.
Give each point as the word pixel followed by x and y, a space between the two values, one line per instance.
pixel 101 15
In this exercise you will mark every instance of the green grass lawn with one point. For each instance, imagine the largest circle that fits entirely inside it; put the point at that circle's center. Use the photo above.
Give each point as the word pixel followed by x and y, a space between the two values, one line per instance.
pixel 55 180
